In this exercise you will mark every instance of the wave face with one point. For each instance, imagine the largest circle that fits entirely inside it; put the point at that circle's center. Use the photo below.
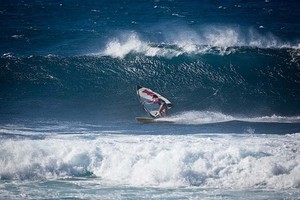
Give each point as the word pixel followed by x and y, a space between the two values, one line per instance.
pixel 247 81
pixel 81 60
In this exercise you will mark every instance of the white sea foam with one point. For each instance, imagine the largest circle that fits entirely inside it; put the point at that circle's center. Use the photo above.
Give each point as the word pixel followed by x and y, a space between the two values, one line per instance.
pixel 200 117
pixel 133 44
pixel 8 55
pixel 206 161
pixel 177 42
pixel 206 117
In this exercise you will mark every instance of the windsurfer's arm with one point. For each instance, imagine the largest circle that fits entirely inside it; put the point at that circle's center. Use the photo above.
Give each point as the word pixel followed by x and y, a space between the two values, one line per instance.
pixel 147 101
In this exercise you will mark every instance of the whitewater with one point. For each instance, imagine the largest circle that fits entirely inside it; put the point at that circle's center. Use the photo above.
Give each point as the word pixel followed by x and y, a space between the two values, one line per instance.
pixel 200 163
pixel 209 40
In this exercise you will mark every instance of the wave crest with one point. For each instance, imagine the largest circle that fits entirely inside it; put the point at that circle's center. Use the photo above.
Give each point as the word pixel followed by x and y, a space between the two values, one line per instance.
pixel 219 40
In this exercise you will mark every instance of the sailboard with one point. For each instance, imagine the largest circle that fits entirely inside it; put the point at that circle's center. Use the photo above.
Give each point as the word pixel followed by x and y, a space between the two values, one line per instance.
pixel 147 120
pixel 145 96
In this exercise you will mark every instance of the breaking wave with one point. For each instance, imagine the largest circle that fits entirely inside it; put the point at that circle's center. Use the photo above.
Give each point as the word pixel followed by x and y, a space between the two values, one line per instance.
pixel 219 40
pixel 210 161
pixel 250 82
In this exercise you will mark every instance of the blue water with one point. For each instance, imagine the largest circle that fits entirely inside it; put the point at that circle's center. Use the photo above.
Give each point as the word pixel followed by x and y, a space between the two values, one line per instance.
pixel 68 72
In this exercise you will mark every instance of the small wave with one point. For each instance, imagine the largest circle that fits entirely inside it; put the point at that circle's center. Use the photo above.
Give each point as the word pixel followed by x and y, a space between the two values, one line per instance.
pixel 274 118
pixel 9 55
pixel 207 117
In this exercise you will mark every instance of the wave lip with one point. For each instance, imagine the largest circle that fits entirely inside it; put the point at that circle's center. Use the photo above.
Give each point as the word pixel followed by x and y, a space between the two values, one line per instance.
pixel 212 39
pixel 119 49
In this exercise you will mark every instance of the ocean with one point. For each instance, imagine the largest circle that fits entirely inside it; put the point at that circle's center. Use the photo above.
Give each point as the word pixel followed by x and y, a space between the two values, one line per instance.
pixel 68 103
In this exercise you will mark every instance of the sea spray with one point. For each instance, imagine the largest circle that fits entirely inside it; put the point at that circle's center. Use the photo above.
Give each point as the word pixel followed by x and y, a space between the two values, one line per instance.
pixel 210 39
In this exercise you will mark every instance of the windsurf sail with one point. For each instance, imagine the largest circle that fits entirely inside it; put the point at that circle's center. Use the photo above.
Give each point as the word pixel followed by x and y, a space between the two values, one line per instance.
pixel 145 96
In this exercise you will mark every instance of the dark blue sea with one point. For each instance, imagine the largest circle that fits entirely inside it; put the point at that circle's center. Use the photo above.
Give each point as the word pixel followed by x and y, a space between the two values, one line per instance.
pixel 68 103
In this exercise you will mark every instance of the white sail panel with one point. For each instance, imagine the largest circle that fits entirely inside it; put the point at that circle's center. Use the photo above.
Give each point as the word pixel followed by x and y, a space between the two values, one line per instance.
pixel 145 96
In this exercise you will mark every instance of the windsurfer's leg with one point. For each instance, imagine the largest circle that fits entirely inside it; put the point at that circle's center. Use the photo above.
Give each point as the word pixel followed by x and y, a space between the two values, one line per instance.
pixel 165 110
pixel 162 109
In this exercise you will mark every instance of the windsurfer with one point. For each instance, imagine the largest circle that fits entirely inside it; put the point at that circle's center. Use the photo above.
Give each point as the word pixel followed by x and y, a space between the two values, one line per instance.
pixel 162 105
